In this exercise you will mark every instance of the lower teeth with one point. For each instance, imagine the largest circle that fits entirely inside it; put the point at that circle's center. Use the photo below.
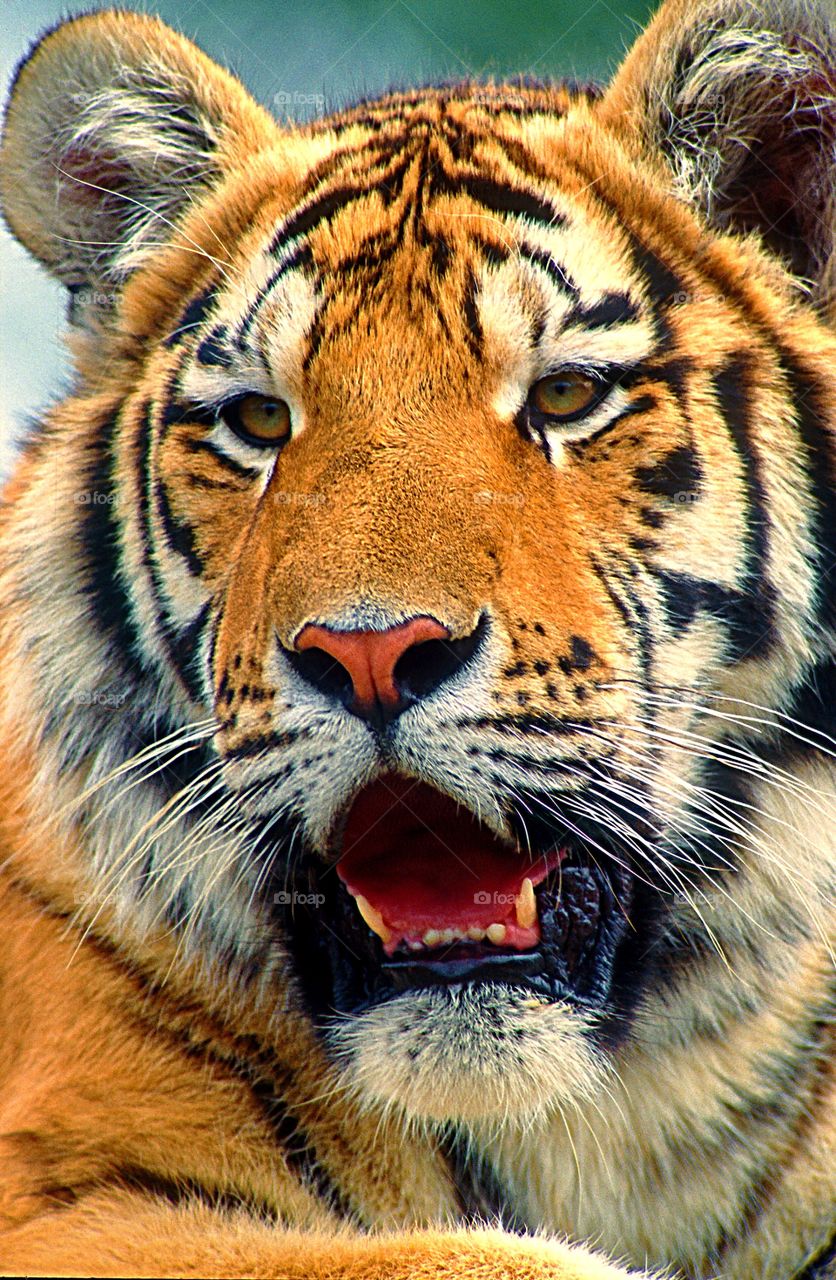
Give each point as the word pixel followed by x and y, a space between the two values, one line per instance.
pixel 434 938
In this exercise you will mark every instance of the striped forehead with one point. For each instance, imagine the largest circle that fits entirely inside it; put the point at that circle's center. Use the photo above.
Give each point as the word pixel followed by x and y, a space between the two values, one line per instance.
pixel 529 265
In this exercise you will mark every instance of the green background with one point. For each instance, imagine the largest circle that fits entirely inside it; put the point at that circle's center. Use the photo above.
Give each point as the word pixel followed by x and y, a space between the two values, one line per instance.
pixel 300 59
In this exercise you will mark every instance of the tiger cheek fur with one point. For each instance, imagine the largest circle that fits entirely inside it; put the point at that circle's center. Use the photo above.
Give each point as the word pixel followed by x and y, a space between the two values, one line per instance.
pixel 417 693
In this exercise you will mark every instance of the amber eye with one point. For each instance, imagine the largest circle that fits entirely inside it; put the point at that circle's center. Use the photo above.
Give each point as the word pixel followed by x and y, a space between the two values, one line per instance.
pixel 258 419
pixel 566 395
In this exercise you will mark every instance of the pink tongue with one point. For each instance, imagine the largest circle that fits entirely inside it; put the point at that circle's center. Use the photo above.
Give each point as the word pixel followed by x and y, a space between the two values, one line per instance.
pixel 424 863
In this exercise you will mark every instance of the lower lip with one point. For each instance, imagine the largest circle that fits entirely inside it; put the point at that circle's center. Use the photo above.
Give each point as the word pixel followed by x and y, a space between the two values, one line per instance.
pixel 456 965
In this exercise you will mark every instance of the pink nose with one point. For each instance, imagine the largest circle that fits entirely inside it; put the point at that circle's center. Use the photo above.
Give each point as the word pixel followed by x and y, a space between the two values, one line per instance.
pixel 370 657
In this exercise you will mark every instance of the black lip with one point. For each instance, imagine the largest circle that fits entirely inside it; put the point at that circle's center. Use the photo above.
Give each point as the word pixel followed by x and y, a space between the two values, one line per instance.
pixel 462 963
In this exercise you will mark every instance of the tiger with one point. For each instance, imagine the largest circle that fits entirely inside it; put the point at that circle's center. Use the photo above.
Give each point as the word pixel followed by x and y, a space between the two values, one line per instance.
pixel 418 682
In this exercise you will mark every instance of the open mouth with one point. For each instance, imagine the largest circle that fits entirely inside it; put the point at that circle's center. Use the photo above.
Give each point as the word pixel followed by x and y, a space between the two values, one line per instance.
pixel 423 894
pixel 425 875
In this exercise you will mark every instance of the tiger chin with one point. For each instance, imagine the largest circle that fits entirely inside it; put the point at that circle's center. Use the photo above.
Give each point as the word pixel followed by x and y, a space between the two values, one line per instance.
pixel 418 670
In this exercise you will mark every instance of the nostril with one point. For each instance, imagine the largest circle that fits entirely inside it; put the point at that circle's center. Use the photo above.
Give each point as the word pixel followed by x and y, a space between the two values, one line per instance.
pixel 425 666
pixel 324 672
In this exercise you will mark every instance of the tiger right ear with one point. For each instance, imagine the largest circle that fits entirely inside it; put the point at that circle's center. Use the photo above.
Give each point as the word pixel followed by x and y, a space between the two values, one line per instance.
pixel 114 124
pixel 739 98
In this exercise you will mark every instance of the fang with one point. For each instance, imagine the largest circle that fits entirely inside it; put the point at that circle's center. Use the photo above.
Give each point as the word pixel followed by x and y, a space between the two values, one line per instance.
pixel 526 905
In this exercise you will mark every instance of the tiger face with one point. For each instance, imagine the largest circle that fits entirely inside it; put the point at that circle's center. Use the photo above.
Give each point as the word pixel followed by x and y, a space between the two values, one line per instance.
pixel 457 511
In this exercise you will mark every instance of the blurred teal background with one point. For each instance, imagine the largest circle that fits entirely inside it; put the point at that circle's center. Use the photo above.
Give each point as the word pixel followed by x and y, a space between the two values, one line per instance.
pixel 298 59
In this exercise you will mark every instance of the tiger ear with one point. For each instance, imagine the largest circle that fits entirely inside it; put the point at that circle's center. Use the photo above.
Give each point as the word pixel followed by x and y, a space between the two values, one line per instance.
pixel 739 97
pixel 114 124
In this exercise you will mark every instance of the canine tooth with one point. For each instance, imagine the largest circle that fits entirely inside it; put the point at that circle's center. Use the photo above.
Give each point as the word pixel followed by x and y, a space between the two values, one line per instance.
pixel 476 935
pixel 495 933
pixel 526 905
pixel 373 918
pixel 431 938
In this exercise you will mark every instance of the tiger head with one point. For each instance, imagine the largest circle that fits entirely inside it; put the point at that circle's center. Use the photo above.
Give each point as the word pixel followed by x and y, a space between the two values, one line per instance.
pixel 439 535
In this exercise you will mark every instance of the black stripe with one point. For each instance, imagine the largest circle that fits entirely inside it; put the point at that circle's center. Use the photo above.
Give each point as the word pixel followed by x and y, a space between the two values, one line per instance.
pixel 678 472
pixel 251 1063
pixel 184 647
pixel 532 723
pixel 611 309
pixel 615 599
pixel 788 1087
pixel 642 630
pixel 811 402
pixel 183 1190
pixel 212 352
pixel 323 209
pixel 500 197
pixel 684 595
pixel 228 463
pixel 194 315
pixel 99 536
pixel 823 1265
pixel 179 534
pixel 634 620
pixel 640 405
pixel 374 253
pixel 299 1150
pixel 441 255
pixel 812 705
pixel 664 287
pixel 716 852
pixel 674 372
pixel 473 324
pixel 532 431
pixel 481 1197
pixel 180 657
pixel 560 277
pixel 493 252
pixel 504 198
pixel 210 486
pixel 635 615
pixel 732 387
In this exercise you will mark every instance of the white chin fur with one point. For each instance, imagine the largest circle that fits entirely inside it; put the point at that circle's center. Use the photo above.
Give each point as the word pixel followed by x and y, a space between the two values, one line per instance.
pixel 470 1053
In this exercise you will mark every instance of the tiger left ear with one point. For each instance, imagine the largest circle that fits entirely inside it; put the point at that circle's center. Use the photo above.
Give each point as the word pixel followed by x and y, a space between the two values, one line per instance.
pixel 115 125
pixel 739 98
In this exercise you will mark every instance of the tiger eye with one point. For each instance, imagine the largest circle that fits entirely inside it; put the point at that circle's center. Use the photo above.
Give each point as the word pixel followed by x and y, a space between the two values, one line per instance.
pixel 258 419
pixel 565 395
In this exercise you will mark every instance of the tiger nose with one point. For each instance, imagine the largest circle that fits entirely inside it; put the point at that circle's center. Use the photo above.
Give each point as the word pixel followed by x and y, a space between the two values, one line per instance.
pixel 375 674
